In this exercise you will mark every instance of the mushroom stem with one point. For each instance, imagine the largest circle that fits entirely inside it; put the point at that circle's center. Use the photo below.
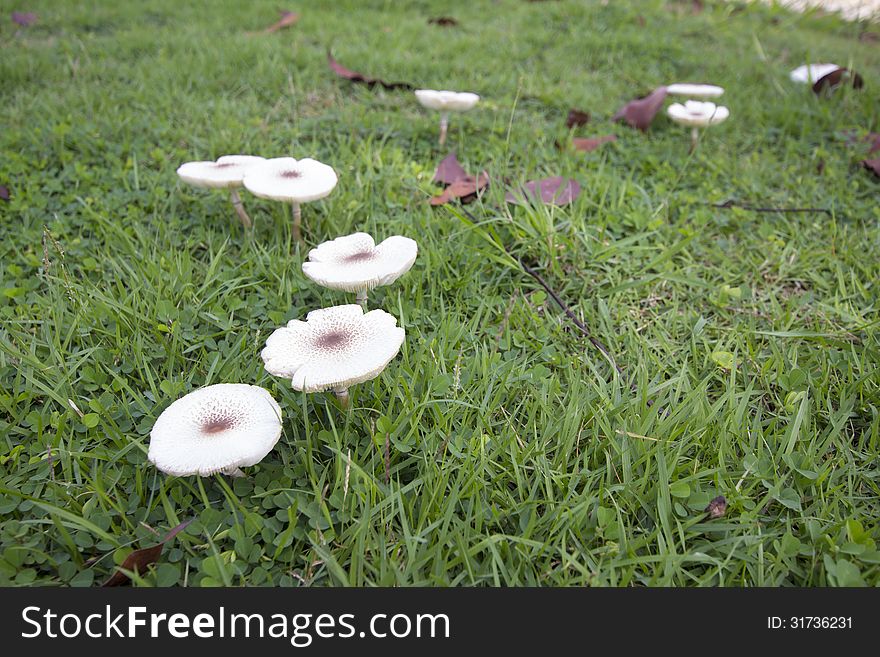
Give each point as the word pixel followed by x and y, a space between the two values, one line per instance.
pixel 297 222
pixel 342 396
pixel 444 126
pixel 239 209
pixel 234 472
pixel 362 298
pixel 695 137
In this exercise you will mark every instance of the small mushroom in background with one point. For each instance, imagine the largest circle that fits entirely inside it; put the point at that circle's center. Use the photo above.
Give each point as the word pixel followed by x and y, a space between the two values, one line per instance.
pixel 812 73
pixel 334 349
pixel 291 181
pixel 226 173
pixel 694 90
pixel 218 428
pixel 697 115
pixel 446 102
pixel 355 263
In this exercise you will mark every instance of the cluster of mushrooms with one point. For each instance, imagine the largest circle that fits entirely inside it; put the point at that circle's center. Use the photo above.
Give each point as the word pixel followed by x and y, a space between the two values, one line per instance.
pixel 279 179
pixel 223 427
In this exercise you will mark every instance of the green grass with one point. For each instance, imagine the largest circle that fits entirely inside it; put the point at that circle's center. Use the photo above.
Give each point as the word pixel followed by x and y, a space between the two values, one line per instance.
pixel 518 456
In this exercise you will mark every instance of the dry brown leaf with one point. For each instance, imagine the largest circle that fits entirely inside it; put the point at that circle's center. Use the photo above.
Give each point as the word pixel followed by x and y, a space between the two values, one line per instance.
pixel 872 165
pixel 576 118
pixel 443 21
pixel 140 560
pixel 640 112
pixel 717 507
pixel 588 144
pixel 464 189
pixel 287 19
pixel 449 170
pixel 834 79
pixel 24 18
pixel 551 191
pixel 348 74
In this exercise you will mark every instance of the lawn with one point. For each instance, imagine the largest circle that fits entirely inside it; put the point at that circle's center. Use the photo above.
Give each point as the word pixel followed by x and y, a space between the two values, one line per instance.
pixel 747 342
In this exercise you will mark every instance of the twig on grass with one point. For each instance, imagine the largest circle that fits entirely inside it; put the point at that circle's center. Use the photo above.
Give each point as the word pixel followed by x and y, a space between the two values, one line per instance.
pixel 531 272
pixel 568 311
pixel 733 204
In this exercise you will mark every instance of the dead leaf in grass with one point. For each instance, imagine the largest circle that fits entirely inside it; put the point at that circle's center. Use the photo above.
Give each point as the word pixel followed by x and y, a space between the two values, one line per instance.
pixel 24 18
pixel 287 19
pixel 551 191
pixel 834 79
pixel 872 165
pixel 443 21
pixel 640 112
pixel 588 144
pixel 576 118
pixel 140 560
pixel 449 170
pixel 348 74
pixel 717 507
pixel 464 189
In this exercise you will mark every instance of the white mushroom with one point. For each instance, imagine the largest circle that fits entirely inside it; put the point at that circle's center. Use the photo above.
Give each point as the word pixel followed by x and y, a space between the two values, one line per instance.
pixel 226 173
pixel 697 115
pixel 291 181
pixel 333 349
pixel 219 428
pixel 694 90
pixel 446 102
pixel 355 263
pixel 812 73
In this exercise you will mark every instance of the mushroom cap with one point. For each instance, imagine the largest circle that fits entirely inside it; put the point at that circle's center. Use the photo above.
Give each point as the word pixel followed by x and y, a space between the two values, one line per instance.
pixel 290 180
pixel 447 101
pixel 217 428
pixel 334 348
pixel 694 90
pixel 812 73
pixel 697 114
pixel 355 263
pixel 227 171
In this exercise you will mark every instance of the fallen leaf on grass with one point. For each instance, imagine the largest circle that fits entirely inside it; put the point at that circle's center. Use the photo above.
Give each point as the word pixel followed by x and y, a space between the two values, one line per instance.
pixel 717 507
pixel 287 19
pixel 464 189
pixel 449 170
pixel 4 192
pixel 348 74
pixel 576 118
pixel 552 191
pixel 640 112
pixel 692 7
pixel 443 21
pixel 24 18
pixel 139 560
pixel 834 79
pixel 588 144
pixel 872 165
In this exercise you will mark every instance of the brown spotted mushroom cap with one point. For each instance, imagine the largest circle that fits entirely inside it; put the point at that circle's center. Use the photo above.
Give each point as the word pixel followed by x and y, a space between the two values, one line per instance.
pixel 355 263
pixel 290 180
pixel 334 348
pixel 218 428
pixel 227 171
